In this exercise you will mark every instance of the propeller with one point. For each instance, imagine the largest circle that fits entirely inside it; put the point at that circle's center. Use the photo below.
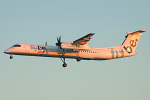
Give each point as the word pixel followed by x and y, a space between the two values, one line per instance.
pixel 58 41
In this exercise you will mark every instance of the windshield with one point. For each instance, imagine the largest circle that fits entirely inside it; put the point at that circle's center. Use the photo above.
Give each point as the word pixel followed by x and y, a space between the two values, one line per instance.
pixel 16 45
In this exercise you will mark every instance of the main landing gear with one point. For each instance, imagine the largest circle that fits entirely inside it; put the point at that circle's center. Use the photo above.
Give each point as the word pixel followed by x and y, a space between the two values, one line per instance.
pixel 63 60
pixel 64 63
pixel 78 59
pixel 11 57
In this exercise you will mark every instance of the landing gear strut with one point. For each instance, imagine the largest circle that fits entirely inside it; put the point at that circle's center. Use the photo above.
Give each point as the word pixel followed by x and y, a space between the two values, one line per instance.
pixel 11 57
pixel 64 64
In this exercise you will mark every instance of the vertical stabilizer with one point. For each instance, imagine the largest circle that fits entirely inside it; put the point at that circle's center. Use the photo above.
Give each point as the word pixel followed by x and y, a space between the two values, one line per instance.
pixel 131 41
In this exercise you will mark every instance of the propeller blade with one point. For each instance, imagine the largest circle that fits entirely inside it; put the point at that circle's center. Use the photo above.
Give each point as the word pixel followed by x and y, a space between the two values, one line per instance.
pixel 58 41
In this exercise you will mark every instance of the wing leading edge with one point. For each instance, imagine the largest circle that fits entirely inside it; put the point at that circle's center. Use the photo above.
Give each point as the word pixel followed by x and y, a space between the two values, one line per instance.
pixel 83 40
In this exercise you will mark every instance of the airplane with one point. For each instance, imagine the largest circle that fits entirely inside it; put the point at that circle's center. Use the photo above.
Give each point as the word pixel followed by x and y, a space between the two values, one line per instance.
pixel 79 49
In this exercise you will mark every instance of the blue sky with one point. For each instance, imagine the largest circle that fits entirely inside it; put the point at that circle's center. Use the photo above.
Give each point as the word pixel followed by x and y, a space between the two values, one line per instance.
pixel 41 78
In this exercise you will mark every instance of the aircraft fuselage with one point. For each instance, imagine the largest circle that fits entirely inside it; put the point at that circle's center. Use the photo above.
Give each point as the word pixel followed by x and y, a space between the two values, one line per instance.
pixel 79 49
pixel 54 51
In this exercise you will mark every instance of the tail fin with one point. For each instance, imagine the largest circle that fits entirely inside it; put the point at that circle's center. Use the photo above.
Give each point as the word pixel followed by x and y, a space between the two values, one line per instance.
pixel 131 41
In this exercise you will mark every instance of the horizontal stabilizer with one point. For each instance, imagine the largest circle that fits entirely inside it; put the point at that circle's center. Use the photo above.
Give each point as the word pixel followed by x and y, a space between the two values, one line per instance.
pixel 137 32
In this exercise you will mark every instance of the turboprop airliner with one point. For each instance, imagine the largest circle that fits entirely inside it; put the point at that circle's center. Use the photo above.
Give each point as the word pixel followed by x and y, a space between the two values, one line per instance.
pixel 79 49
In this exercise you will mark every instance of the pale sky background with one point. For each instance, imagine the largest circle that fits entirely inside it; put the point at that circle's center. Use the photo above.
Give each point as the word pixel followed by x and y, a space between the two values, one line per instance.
pixel 42 78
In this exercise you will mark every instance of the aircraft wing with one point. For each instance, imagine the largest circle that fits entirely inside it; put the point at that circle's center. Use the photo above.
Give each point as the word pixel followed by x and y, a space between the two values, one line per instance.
pixel 83 40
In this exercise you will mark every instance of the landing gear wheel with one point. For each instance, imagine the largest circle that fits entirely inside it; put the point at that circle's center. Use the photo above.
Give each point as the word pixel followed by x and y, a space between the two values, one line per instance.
pixel 78 59
pixel 64 65
pixel 11 57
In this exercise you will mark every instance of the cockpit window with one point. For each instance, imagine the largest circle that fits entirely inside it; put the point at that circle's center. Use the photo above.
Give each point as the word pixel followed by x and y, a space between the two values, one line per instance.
pixel 16 45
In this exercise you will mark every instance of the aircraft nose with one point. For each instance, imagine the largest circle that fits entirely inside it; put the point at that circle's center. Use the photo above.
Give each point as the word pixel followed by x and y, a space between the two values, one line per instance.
pixel 7 51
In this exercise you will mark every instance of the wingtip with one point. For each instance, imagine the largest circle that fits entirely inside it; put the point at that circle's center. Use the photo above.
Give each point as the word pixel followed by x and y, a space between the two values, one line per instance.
pixel 142 30
pixel 92 33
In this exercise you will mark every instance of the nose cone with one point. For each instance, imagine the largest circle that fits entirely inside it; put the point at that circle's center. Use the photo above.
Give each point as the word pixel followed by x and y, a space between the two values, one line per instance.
pixel 8 51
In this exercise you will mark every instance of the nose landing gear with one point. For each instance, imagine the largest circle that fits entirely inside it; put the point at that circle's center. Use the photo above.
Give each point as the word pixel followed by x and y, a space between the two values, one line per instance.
pixel 63 60
pixel 11 57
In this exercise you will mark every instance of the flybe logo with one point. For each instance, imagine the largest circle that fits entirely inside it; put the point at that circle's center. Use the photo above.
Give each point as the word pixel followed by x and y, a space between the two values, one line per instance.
pixel 36 47
pixel 132 44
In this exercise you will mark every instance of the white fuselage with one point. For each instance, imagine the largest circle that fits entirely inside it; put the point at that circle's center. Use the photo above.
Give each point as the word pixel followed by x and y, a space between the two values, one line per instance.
pixel 55 51
pixel 79 49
